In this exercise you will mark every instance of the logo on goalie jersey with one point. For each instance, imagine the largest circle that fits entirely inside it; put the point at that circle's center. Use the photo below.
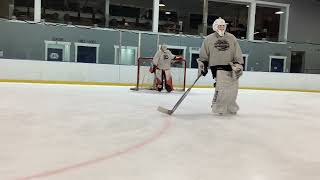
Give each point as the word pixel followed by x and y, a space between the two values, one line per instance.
pixel 166 57
pixel 222 45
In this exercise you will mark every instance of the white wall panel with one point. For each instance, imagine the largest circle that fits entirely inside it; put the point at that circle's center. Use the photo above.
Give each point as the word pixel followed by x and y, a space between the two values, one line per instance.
pixel 65 71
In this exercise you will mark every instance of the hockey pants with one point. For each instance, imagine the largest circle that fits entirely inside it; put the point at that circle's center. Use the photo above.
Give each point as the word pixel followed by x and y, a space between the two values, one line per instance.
pixel 164 78
pixel 226 92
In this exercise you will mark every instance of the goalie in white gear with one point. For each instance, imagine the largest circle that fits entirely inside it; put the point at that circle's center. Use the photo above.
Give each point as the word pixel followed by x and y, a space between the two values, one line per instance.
pixel 161 64
pixel 221 52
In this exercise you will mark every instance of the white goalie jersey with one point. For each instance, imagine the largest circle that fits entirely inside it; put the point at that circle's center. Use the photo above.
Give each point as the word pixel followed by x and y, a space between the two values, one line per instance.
pixel 162 59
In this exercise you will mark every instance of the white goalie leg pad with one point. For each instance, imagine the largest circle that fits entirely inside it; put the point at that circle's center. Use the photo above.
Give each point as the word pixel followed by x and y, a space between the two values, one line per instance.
pixel 159 80
pixel 226 92
pixel 168 83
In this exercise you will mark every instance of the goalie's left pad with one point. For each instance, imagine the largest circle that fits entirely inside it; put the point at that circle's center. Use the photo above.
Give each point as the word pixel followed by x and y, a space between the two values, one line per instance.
pixel 237 70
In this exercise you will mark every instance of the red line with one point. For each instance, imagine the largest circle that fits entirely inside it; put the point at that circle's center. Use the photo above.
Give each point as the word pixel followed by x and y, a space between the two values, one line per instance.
pixel 157 135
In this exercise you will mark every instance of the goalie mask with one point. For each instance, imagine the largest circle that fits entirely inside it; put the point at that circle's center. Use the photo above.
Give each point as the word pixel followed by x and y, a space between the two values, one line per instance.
pixel 219 26
pixel 163 47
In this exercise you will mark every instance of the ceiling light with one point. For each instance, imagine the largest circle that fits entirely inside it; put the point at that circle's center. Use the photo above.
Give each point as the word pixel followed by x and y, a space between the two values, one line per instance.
pixel 168 12
pixel 279 12
pixel 161 3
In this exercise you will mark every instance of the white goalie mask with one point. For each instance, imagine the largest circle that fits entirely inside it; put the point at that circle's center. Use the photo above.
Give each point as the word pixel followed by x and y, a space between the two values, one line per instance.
pixel 219 22
pixel 163 47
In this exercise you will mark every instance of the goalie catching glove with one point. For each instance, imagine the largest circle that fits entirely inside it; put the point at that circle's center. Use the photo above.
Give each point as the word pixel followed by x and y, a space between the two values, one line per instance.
pixel 202 67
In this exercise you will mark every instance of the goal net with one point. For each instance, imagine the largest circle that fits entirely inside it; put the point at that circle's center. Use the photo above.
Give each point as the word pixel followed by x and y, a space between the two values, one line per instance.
pixel 146 80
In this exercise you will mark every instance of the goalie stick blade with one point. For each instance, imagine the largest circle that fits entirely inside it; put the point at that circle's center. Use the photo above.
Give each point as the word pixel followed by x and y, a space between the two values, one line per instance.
pixel 164 110
pixel 134 89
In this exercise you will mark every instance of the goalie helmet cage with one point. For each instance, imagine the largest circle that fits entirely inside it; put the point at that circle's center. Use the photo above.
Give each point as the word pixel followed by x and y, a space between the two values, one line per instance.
pixel 146 80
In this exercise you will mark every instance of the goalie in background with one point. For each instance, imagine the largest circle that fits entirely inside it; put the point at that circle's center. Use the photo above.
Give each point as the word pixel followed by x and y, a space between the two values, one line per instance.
pixel 221 52
pixel 161 65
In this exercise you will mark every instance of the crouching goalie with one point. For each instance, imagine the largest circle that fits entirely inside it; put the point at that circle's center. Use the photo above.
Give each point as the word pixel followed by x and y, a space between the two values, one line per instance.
pixel 221 52
pixel 161 64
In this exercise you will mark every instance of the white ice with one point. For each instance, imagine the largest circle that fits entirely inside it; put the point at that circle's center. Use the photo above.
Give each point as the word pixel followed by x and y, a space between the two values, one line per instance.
pixel 73 132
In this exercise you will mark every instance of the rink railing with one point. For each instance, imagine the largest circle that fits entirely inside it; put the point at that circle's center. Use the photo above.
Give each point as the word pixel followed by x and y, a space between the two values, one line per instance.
pixel 125 75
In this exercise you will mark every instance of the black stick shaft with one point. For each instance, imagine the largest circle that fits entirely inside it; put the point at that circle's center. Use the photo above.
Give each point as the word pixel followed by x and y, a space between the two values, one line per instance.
pixel 184 95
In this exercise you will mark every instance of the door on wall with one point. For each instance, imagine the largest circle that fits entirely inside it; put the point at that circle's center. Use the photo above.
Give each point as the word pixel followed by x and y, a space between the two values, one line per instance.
pixel 277 63
pixel 175 51
pixel 297 62
pixel 87 53
pixel 245 61
pixel 128 55
pixel 57 51
pixel 194 57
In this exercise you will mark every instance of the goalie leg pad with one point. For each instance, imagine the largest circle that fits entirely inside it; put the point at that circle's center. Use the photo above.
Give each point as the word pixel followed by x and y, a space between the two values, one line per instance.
pixel 168 86
pixel 224 100
pixel 159 80
pixel 218 105
pixel 168 81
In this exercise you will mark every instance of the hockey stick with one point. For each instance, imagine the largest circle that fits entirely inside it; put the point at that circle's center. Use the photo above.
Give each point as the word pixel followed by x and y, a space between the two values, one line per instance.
pixel 168 111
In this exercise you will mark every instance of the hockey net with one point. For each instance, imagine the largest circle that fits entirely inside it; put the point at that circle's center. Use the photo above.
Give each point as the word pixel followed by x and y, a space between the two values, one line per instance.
pixel 146 80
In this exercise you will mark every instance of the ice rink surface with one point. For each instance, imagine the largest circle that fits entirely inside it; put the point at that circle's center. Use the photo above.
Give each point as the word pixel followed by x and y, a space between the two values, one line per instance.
pixel 74 132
